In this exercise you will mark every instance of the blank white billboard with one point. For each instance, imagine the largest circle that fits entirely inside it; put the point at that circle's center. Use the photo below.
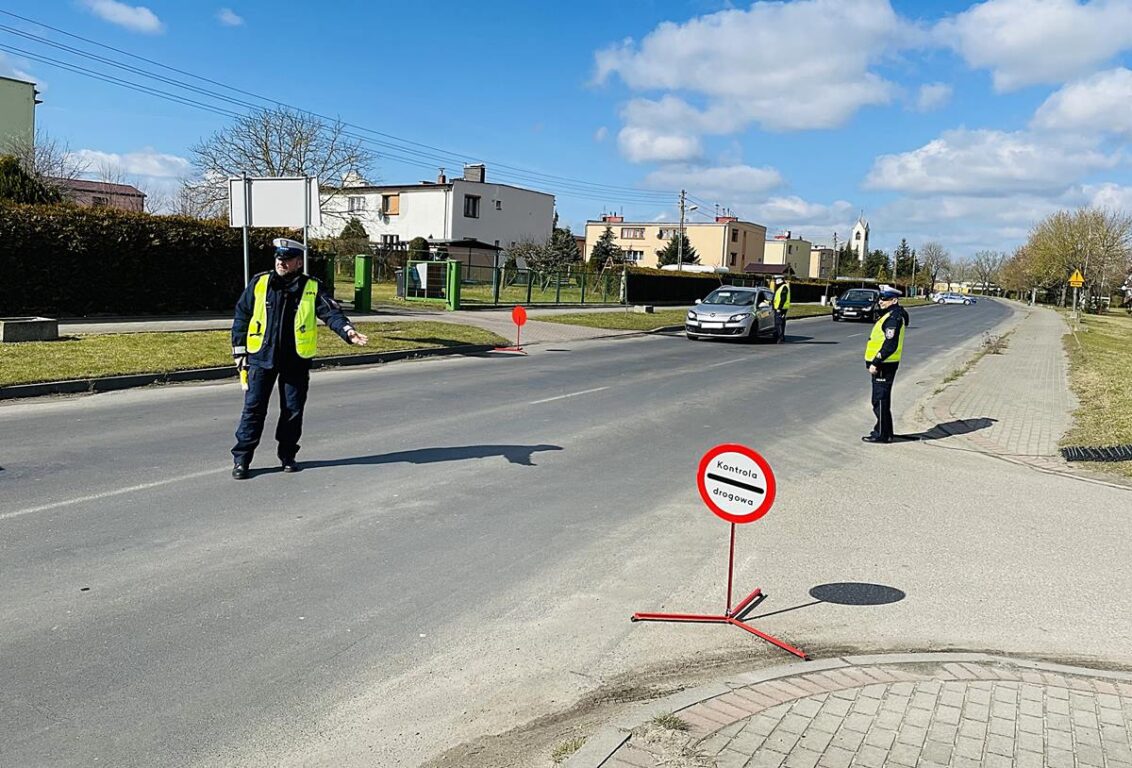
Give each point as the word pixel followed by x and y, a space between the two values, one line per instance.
pixel 275 202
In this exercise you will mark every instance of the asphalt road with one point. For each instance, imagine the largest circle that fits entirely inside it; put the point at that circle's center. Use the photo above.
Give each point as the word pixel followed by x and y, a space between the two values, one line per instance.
pixel 457 557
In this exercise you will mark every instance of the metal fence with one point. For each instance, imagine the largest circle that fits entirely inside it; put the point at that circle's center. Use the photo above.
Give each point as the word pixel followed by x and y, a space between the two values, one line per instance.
pixel 506 286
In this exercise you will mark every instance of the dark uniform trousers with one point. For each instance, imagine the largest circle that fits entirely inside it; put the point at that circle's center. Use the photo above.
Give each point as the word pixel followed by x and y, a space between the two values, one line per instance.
pixel 294 382
pixel 780 325
pixel 882 399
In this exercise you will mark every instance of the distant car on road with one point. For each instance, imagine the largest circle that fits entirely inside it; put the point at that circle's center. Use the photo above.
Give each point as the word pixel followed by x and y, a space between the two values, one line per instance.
pixel 857 304
pixel 732 311
pixel 953 298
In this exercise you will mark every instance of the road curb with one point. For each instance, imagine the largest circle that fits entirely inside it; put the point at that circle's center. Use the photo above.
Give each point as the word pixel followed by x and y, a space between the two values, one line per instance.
pixel 131 381
pixel 603 744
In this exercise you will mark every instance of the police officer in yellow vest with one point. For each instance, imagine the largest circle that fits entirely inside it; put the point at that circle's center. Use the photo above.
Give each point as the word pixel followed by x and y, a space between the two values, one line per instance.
pixel 882 357
pixel 780 305
pixel 274 338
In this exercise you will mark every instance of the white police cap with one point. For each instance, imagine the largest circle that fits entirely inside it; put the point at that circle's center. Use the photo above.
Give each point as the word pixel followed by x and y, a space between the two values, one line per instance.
pixel 888 292
pixel 284 246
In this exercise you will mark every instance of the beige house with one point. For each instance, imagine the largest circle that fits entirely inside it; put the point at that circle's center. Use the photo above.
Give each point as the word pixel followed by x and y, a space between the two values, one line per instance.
pixel 823 262
pixel 726 242
pixel 787 249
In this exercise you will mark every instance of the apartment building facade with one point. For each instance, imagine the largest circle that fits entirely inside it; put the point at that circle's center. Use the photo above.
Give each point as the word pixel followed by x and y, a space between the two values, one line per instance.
pixel 788 249
pixel 17 113
pixel 463 209
pixel 725 242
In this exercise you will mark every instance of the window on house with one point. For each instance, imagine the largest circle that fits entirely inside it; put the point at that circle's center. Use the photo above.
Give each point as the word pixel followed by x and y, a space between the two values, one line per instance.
pixel 632 233
pixel 98 201
pixel 667 233
pixel 734 235
pixel 634 255
pixel 355 203
pixel 499 205
pixel 391 204
pixel 790 249
pixel 472 206
pixel 734 256
pixel 856 235
pixel 391 241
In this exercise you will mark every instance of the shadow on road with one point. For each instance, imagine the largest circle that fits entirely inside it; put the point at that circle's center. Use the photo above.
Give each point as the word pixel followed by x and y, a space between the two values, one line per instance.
pixel 952 428
pixel 842 593
pixel 806 340
pixel 516 454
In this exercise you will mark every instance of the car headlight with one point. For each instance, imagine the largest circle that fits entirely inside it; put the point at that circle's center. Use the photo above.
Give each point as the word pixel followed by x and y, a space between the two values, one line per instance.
pixel 691 315
pixel 737 318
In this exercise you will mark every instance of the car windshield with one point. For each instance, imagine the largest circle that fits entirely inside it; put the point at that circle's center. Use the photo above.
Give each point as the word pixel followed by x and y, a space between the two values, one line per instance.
pixel 858 295
pixel 731 298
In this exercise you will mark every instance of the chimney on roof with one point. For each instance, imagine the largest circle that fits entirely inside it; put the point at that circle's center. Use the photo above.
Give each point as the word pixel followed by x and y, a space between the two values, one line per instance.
pixel 612 218
pixel 441 178
pixel 476 172
pixel 725 219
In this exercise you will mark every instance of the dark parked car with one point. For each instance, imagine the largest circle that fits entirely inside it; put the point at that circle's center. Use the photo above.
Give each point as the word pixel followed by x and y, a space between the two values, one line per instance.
pixel 857 304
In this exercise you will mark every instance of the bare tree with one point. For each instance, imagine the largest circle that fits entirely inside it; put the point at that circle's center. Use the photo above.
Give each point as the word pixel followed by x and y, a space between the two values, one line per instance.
pixel 986 266
pixel 49 160
pixel 1098 242
pixel 274 142
pixel 934 260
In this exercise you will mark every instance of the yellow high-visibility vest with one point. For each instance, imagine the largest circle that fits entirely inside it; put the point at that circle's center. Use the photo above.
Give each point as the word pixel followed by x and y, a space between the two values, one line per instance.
pixel 876 341
pixel 782 297
pixel 306 323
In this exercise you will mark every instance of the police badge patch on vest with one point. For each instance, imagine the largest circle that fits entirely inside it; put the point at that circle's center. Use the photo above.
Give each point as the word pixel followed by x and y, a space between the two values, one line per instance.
pixel 890 333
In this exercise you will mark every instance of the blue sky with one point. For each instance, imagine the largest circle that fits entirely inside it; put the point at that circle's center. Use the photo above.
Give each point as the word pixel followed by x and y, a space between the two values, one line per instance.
pixel 963 123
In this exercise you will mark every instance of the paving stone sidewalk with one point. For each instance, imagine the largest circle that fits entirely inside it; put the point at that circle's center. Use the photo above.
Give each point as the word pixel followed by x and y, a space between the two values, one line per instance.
pixel 1016 404
pixel 927 709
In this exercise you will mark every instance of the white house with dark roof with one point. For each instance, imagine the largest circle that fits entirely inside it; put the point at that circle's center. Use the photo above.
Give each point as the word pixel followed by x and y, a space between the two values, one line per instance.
pixel 465 209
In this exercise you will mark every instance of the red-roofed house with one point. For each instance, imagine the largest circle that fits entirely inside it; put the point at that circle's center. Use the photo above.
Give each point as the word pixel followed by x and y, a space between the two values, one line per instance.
pixel 96 194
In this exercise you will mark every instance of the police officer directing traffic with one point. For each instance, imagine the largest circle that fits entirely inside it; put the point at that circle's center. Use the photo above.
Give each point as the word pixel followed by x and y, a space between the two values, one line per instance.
pixel 780 305
pixel 882 357
pixel 274 338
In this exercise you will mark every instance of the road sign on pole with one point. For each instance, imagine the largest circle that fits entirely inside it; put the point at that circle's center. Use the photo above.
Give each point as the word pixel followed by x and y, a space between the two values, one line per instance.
pixel 737 485
pixel 519 316
pixel 1076 280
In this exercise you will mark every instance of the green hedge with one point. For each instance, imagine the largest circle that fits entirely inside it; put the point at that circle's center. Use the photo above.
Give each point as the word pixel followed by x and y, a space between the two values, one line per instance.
pixel 65 261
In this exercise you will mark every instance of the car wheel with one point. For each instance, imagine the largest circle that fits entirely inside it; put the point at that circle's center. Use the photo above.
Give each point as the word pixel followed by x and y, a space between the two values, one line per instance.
pixel 968 303
pixel 835 318
pixel 691 337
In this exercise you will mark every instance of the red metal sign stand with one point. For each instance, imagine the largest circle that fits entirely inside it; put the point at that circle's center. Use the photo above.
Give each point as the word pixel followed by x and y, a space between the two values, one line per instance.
pixel 724 475
pixel 730 615
pixel 519 315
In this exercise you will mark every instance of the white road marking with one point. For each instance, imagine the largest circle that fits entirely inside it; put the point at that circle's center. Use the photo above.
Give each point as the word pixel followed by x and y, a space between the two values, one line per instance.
pixel 572 394
pixel 726 362
pixel 855 335
pixel 108 494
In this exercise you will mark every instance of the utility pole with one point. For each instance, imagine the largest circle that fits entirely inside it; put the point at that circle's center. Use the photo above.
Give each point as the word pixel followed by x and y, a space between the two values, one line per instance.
pixel 680 244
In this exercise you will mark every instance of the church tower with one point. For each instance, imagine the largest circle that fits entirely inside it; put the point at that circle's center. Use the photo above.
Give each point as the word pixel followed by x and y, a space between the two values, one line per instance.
pixel 859 241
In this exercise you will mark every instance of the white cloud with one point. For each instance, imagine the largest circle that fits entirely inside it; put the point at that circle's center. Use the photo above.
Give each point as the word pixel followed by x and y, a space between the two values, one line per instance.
pixel 719 183
pixel 229 18
pixel 932 96
pixel 600 134
pixel 13 69
pixel 986 162
pixel 1098 104
pixel 137 18
pixel 641 145
pixel 147 162
pixel 1024 42
pixel 747 67
pixel 1113 197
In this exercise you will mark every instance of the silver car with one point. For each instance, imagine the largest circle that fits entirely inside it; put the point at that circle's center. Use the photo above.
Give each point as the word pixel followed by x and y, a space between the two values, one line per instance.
pixel 732 311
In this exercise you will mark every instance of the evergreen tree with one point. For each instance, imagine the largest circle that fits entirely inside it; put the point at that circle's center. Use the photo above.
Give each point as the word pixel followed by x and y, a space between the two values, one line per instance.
pixel 19 186
pixel 877 264
pixel 847 262
pixel 670 254
pixel 418 249
pixel 354 230
pixel 605 250
pixel 902 261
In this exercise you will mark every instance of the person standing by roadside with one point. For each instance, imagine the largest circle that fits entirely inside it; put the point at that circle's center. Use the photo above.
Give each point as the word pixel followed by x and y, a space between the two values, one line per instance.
pixel 274 338
pixel 780 305
pixel 882 357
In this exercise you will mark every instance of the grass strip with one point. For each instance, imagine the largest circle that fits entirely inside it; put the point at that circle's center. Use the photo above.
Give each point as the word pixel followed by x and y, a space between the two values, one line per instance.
pixel 1100 359
pixel 114 354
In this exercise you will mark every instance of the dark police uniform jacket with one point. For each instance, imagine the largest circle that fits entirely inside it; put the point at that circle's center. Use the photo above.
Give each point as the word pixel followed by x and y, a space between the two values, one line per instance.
pixel 897 319
pixel 283 295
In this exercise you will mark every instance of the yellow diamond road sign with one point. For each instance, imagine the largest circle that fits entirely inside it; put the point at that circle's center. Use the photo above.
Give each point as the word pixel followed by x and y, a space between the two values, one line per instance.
pixel 1076 280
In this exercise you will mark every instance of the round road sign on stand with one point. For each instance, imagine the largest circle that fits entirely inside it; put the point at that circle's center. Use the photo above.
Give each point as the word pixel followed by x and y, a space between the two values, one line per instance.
pixel 736 483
